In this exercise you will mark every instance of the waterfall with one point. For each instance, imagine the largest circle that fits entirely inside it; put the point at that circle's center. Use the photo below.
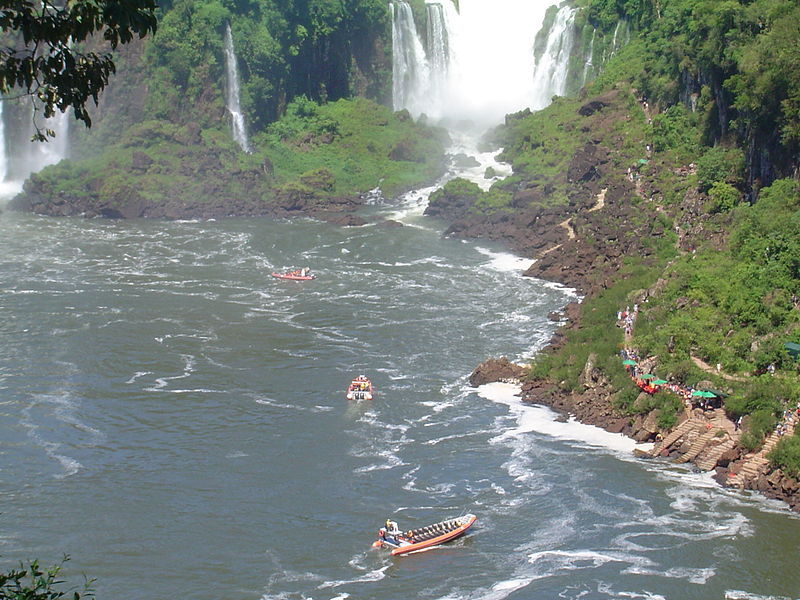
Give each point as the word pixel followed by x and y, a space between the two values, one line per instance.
pixel 55 149
pixel 588 66
pixel 409 65
pixel 479 65
pixel 19 156
pixel 550 74
pixel 616 44
pixel 237 118
pixel 438 48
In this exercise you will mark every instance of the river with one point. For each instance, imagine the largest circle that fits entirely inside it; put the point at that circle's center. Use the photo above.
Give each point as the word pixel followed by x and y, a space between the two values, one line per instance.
pixel 174 419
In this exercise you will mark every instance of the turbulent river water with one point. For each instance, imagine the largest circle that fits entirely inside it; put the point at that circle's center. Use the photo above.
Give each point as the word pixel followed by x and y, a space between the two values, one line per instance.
pixel 174 419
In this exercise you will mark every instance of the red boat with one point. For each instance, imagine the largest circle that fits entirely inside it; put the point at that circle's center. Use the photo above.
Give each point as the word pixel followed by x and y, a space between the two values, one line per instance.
pixel 360 389
pixel 297 275
pixel 422 537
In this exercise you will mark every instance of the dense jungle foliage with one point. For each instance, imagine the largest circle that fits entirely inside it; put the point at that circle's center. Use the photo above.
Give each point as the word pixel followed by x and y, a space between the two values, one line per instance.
pixel 720 83
pixel 321 49
pixel 733 64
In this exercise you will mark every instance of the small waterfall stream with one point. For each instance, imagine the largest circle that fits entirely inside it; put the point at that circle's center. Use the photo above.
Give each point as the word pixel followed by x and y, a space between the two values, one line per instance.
pixel 237 118
pixel 588 65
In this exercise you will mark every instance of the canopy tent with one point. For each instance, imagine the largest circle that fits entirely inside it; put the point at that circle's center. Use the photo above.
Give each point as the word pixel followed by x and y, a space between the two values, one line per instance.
pixel 716 393
pixel 658 382
pixel 629 362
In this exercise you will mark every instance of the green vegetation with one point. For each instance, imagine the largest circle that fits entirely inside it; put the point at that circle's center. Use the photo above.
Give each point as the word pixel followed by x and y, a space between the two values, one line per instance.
pixel 322 49
pixel 360 142
pixel 719 79
pixel 357 145
pixel 734 64
pixel 35 583
pixel 786 455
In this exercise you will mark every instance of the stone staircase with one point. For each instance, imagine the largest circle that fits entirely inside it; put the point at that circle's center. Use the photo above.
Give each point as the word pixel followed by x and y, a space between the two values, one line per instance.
pixel 698 446
pixel 757 462
pixel 710 460
pixel 677 433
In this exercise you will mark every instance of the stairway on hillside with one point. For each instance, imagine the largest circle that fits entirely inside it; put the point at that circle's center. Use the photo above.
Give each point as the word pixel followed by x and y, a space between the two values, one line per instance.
pixel 757 463
pixel 710 460
pixel 677 433
pixel 698 445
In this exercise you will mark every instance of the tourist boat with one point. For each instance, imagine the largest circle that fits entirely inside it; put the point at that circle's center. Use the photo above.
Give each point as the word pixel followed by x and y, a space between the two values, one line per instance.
pixel 294 276
pixel 360 389
pixel 423 537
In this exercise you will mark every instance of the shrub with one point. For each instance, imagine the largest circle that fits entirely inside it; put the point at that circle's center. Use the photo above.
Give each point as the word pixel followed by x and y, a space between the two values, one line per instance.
pixel 719 164
pixel 722 197
pixel 786 455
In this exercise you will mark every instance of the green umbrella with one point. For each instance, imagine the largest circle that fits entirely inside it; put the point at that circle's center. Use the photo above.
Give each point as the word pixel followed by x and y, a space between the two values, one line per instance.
pixel 629 362
pixel 659 382
pixel 703 394
pixel 647 376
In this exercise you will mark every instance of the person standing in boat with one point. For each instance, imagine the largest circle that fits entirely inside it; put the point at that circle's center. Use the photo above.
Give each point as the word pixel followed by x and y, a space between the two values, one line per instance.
pixel 304 271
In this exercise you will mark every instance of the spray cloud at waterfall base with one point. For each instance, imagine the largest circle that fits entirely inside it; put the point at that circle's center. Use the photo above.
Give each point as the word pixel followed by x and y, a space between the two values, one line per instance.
pixel 478 63
pixel 19 156
pixel 474 66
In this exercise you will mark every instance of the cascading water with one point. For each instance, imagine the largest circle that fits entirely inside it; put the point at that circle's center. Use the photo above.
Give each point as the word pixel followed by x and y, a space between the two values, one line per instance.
pixel 16 131
pixel 409 64
pixel 588 65
pixel 479 64
pixel 237 118
pixel 438 47
pixel 550 75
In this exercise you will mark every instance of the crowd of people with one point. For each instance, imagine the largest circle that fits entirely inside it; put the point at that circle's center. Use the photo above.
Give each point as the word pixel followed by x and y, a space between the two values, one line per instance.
pixel 627 317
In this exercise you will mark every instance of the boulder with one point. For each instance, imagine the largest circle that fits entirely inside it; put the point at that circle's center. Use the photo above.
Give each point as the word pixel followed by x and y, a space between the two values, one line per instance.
pixel 496 369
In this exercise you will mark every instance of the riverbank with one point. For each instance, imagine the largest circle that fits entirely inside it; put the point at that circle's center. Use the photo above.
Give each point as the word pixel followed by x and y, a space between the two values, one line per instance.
pixel 618 226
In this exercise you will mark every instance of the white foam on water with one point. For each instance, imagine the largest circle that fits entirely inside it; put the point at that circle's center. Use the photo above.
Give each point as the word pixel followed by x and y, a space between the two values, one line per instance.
pixel 540 419
pixel 276 404
pixel 499 591
pixel 375 575
pixel 742 595
pixel 605 588
pixel 505 261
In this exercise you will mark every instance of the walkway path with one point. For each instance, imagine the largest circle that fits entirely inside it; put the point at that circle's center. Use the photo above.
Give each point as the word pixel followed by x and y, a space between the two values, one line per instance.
pixel 709 369
pixel 601 200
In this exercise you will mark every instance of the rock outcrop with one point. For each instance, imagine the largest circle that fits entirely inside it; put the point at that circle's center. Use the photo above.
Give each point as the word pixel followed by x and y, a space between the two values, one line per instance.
pixel 496 369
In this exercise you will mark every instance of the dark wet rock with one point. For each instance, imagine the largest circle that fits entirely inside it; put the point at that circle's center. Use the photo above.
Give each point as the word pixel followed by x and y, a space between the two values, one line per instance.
pixel 389 224
pixel 496 369
pixel 465 161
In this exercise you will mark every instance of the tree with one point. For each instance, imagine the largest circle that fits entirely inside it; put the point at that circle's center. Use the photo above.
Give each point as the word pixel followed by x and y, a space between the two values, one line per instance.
pixel 41 57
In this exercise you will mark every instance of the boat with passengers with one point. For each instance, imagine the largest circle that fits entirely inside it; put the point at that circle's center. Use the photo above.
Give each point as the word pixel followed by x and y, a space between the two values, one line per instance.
pixel 303 274
pixel 422 538
pixel 360 388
